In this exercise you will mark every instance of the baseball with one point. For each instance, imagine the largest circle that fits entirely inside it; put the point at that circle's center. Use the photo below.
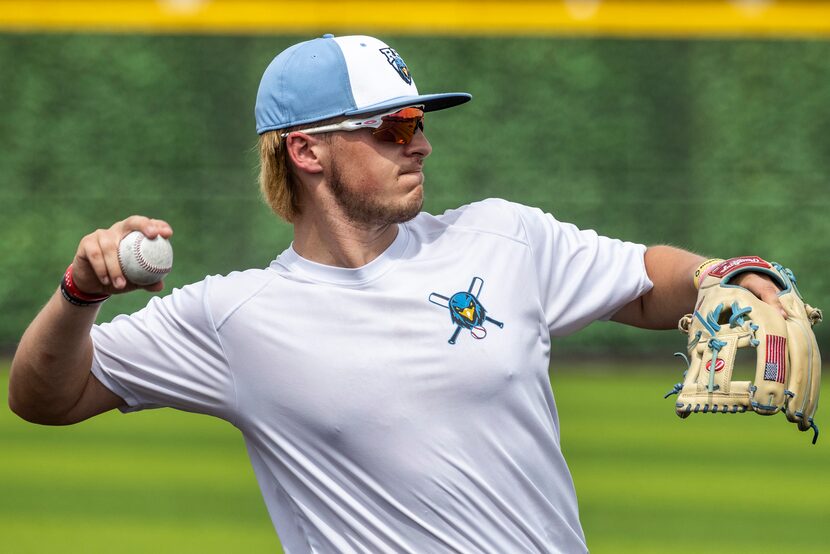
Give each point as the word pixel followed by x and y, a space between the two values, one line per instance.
pixel 144 261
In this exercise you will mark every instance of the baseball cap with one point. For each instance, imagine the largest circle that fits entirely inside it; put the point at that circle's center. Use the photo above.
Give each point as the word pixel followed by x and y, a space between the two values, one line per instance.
pixel 333 76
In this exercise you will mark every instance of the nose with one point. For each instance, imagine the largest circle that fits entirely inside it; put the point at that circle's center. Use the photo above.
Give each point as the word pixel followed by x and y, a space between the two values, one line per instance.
pixel 419 145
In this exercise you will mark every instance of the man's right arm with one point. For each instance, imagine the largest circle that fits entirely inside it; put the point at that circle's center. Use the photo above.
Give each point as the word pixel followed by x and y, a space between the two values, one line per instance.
pixel 50 381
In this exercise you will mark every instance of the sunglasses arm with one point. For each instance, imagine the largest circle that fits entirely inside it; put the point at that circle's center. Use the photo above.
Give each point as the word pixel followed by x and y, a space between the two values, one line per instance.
pixel 343 126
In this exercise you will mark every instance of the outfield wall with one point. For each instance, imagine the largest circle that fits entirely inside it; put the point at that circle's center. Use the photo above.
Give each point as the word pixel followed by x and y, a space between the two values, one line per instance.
pixel 717 145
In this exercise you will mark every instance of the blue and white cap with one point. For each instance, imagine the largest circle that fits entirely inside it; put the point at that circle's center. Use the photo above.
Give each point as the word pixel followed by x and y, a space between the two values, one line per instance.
pixel 333 76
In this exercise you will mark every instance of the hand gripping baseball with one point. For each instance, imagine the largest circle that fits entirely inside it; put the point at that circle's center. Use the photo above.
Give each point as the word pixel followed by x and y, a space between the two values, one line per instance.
pixel 729 317
pixel 96 268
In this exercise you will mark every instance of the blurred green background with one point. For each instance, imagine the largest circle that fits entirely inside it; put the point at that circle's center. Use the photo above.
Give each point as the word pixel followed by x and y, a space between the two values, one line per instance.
pixel 720 146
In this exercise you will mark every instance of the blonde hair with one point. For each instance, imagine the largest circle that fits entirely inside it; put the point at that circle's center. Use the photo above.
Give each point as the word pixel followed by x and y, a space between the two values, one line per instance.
pixel 277 181
pixel 276 176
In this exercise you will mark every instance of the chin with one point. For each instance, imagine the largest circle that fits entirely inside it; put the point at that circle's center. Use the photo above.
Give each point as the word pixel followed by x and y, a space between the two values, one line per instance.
pixel 417 198
pixel 415 187
pixel 409 207
pixel 420 177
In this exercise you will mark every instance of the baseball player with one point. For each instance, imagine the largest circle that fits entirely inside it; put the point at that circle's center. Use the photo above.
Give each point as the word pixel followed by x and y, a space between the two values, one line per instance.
pixel 389 369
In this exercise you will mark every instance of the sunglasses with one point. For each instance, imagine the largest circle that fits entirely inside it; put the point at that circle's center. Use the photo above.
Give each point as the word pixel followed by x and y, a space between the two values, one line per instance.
pixel 398 126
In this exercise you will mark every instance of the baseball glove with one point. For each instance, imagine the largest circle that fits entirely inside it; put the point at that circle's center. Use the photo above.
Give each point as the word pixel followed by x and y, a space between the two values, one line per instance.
pixel 727 318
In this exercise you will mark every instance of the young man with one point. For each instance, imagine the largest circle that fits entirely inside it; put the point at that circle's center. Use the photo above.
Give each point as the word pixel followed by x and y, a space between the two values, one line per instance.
pixel 389 370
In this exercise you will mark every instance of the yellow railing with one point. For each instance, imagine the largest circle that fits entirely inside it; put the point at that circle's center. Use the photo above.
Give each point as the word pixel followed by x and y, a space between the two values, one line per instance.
pixel 574 17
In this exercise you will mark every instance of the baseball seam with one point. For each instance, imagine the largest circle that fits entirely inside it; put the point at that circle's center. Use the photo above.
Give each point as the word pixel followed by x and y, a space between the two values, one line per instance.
pixel 147 266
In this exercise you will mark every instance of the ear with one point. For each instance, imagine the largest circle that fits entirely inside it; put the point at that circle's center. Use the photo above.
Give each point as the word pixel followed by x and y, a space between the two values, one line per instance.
pixel 305 152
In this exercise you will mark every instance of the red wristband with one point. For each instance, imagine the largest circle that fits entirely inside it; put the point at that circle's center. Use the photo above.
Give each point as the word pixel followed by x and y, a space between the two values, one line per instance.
pixel 76 296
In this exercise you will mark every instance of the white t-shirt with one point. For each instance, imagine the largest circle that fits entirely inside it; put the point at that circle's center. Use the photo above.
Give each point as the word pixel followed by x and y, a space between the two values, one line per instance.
pixel 403 406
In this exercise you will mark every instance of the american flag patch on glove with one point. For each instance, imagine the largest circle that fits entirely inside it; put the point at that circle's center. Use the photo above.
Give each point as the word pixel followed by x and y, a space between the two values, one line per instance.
pixel 775 368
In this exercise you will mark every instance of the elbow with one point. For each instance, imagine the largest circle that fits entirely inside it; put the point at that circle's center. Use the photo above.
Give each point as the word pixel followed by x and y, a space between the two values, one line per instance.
pixel 16 404
pixel 25 410
pixel 22 409
pixel 32 415
pixel 27 406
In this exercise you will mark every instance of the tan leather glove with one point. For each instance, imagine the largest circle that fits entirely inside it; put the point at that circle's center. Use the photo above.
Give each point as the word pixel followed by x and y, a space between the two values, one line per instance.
pixel 727 318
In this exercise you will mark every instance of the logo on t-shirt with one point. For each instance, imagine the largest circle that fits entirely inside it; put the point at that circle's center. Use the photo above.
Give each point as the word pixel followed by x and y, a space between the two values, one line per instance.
pixel 466 312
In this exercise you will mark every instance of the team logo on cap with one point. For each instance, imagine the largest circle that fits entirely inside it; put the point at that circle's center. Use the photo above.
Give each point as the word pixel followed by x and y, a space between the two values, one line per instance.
pixel 397 62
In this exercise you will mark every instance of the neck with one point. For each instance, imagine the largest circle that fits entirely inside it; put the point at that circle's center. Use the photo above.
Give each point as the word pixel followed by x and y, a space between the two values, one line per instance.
pixel 328 239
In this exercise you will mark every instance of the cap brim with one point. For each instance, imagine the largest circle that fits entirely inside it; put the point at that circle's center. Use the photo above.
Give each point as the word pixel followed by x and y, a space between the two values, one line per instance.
pixel 431 102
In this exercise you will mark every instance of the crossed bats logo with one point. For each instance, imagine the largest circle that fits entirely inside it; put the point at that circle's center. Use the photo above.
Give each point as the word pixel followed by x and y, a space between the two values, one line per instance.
pixel 466 311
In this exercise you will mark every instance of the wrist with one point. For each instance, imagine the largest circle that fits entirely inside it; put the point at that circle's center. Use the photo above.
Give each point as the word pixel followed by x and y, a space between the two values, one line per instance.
pixel 74 295
pixel 703 270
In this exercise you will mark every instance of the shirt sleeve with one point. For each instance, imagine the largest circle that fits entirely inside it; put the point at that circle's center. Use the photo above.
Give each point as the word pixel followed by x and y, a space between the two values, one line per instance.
pixel 166 355
pixel 582 276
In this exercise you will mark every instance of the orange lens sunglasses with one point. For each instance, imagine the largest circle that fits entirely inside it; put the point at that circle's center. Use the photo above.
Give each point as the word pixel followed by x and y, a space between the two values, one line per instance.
pixel 398 126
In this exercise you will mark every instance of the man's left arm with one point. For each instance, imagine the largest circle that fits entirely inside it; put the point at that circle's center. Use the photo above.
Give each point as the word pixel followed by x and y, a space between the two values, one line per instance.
pixel 674 293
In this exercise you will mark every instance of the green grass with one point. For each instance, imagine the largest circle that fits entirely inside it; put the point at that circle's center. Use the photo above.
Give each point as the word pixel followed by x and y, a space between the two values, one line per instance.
pixel 648 482
pixel 159 481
